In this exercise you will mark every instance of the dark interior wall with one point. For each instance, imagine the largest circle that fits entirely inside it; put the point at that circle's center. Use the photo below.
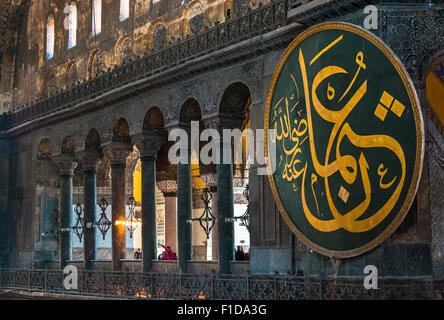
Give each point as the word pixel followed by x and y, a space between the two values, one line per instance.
pixel 5 223
pixel 20 202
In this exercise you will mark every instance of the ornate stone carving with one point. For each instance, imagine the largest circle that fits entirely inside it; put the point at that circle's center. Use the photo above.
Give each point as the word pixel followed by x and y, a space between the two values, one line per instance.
pixel 414 35
pixel 159 37
pixel 90 159
pixel 117 152
pixel 149 141
pixel 127 53
pixel 196 23
pixel 167 186
pixel 66 164
pixel 434 149
pixel 223 122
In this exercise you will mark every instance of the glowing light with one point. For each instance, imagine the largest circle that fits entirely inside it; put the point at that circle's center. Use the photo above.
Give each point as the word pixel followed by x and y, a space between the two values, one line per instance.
pixel 72 23
pixel 96 17
pixel 128 223
pixel 124 9
pixel 50 37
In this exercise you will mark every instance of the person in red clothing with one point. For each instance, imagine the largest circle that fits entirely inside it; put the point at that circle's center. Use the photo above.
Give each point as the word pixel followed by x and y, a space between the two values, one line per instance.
pixel 170 255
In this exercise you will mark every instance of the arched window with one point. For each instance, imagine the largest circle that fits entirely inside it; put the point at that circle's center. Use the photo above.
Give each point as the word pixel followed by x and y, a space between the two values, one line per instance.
pixel 124 9
pixel 126 51
pixel 50 37
pixel 72 25
pixel 96 17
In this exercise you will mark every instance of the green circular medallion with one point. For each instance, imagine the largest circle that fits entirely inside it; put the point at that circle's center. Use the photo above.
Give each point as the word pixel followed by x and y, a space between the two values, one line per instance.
pixel 345 145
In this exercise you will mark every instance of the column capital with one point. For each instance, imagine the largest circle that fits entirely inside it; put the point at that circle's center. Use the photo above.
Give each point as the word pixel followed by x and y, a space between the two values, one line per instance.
pixel 66 164
pixel 118 152
pixel 149 141
pixel 223 121
pixel 167 186
pixel 90 159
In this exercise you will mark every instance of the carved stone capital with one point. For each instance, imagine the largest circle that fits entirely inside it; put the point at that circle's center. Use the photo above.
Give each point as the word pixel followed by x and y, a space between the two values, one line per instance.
pixel 149 141
pixel 167 186
pixel 118 152
pixel 90 159
pixel 221 122
pixel 66 164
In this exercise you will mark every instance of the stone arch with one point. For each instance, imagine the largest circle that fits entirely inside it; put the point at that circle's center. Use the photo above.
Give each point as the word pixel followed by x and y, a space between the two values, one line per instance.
pixel 68 145
pixel 72 75
pixel 38 140
pixel 153 118
pixel 45 169
pixel 193 9
pixel 92 140
pixel 49 85
pixel 46 183
pixel 236 102
pixel 190 110
pixel 44 150
pixel 121 47
pixel 121 131
pixel 235 99
pixel 153 29
pixel 96 63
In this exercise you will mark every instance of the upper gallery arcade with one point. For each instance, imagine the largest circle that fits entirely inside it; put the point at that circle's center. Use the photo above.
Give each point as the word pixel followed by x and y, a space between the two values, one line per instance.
pixel 91 89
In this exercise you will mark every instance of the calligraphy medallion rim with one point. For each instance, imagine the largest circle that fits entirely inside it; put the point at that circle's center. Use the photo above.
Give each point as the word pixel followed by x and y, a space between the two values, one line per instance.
pixel 419 124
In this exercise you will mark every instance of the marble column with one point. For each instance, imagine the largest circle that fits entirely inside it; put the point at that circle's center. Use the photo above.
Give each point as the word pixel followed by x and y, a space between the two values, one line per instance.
pixel 184 212
pixel 91 159
pixel 225 209
pixel 66 164
pixel 214 240
pixel 169 190
pixel 148 142
pixel 225 205
pixel 118 152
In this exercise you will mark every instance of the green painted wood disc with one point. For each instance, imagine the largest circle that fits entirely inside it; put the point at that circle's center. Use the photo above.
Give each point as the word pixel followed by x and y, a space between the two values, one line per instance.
pixel 346 141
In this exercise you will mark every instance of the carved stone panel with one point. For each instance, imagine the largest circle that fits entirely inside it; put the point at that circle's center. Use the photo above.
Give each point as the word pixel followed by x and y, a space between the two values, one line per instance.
pixel 414 35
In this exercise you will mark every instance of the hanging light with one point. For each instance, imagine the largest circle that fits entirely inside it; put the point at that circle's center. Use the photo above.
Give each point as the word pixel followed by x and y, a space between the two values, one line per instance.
pixel 79 225
pixel 131 221
pixel 207 219
pixel 103 224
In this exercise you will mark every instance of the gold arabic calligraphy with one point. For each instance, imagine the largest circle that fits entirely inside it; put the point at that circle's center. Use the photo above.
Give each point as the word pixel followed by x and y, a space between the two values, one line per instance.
pixel 291 134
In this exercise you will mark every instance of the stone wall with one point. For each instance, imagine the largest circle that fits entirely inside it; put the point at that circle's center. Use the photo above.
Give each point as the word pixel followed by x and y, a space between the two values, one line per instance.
pixel 150 26
pixel 5 219
pixel 435 147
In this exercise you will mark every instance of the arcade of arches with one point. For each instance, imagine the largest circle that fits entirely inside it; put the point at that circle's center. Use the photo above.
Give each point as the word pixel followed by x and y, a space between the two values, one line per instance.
pixel 166 196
